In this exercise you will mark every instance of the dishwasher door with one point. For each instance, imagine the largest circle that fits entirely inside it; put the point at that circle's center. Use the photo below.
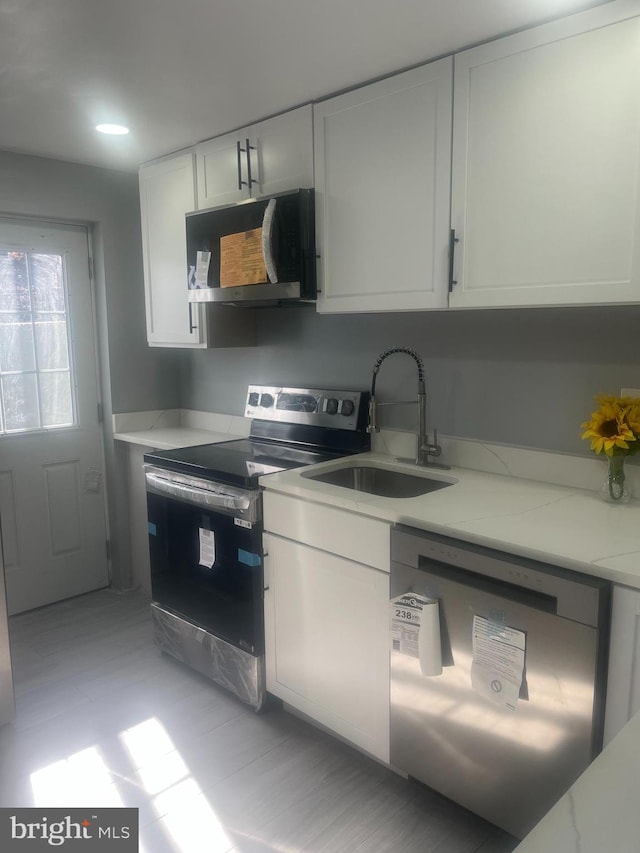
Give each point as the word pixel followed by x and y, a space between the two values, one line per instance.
pixel 505 755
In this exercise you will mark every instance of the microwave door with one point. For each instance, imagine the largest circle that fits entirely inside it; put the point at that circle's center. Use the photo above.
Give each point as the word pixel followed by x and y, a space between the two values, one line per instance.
pixel 277 262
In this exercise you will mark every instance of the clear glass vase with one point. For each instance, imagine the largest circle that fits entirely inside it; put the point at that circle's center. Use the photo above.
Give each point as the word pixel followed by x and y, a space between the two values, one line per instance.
pixel 616 488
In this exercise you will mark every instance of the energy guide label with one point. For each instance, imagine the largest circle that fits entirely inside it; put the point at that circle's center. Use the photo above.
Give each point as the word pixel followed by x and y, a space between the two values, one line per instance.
pixel 406 615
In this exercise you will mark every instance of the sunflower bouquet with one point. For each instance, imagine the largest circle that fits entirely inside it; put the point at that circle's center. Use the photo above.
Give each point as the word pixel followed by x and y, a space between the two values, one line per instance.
pixel 614 429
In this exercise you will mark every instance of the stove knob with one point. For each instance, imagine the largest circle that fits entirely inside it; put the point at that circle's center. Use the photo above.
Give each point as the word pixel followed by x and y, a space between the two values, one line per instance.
pixel 266 400
pixel 332 406
pixel 347 408
pixel 253 398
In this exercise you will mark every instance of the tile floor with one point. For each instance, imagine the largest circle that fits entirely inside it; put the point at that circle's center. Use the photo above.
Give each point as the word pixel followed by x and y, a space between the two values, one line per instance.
pixel 103 719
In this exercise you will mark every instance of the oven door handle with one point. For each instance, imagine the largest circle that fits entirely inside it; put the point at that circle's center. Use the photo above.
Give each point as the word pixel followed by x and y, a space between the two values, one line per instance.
pixel 214 497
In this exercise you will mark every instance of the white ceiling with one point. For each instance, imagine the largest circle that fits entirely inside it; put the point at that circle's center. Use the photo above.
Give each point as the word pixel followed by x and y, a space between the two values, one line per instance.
pixel 180 71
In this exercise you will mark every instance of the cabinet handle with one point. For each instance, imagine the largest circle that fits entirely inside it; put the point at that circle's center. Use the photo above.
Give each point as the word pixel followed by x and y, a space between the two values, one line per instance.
pixel 249 149
pixel 239 150
pixel 192 326
pixel 452 246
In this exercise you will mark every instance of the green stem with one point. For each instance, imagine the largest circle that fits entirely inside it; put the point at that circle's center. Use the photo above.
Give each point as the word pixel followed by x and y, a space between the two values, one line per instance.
pixel 616 477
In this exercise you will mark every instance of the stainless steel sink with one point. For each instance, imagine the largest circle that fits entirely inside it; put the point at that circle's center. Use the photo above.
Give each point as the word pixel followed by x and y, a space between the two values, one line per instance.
pixel 379 481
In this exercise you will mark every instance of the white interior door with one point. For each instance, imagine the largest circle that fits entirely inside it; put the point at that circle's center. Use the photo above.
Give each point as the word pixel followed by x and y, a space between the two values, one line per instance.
pixel 52 501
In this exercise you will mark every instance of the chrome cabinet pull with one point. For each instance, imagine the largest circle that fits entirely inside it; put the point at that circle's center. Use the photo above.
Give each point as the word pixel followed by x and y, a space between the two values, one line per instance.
pixel 239 151
pixel 249 149
pixel 452 246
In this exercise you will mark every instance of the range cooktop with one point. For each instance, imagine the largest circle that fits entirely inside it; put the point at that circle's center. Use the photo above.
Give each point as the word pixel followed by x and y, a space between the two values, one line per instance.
pixel 291 428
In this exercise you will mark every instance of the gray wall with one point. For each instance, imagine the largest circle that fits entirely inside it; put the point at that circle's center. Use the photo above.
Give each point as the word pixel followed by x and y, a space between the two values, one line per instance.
pixel 107 201
pixel 133 376
pixel 523 377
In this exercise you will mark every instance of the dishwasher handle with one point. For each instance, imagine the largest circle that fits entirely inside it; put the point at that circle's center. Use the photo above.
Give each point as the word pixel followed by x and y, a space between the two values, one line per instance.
pixel 572 595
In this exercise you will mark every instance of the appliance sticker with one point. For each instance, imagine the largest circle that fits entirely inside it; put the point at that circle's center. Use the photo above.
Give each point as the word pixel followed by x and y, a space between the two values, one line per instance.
pixel 248 558
pixel 240 522
pixel 241 259
pixel 202 269
pixel 497 668
pixel 207 548
pixel 254 467
pixel 152 529
pixel 406 614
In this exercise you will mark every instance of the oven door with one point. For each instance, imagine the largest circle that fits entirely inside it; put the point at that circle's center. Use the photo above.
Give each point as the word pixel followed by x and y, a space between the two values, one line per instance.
pixel 205 545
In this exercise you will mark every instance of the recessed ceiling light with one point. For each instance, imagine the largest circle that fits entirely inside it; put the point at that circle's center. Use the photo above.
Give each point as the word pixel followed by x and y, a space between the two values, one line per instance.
pixel 112 129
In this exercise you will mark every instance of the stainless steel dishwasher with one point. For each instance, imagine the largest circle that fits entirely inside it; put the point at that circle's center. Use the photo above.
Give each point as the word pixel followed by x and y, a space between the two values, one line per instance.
pixel 498 673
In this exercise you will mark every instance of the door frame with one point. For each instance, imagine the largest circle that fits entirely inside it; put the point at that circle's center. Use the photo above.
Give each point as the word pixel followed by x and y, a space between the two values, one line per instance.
pixel 100 367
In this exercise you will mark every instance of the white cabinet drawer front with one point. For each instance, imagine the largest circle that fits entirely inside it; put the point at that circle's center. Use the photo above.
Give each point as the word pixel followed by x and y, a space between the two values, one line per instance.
pixel 356 537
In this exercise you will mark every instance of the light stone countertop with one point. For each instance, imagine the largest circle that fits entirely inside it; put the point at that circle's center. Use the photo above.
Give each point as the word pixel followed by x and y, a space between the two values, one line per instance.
pixel 569 527
pixel 169 429
pixel 170 438
pixel 544 506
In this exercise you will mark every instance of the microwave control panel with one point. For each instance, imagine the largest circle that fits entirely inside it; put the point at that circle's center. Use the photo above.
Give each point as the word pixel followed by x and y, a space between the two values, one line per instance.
pixel 338 409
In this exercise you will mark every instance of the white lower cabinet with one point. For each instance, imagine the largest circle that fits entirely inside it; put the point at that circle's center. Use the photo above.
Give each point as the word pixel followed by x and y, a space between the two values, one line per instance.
pixel 623 686
pixel 326 628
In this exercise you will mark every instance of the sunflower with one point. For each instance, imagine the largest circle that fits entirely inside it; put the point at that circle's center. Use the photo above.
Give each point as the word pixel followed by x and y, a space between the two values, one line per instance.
pixel 614 425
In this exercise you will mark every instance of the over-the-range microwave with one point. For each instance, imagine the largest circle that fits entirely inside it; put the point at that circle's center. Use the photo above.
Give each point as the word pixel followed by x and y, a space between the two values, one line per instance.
pixel 256 252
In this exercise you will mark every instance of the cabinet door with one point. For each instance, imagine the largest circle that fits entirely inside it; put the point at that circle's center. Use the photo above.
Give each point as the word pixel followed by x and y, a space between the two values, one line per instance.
pixel 382 168
pixel 266 158
pixel 326 640
pixel 545 165
pixel 283 152
pixel 166 194
pixel 221 170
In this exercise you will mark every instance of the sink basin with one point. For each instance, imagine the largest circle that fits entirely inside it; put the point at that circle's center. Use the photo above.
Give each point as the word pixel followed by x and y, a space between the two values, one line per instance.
pixel 379 481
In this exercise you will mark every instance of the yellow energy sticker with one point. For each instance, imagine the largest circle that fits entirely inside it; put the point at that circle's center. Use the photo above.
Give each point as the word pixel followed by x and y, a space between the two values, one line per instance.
pixel 241 259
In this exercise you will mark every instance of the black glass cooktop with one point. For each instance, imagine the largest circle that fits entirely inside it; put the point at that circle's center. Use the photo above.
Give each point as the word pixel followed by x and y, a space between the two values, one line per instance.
pixel 240 462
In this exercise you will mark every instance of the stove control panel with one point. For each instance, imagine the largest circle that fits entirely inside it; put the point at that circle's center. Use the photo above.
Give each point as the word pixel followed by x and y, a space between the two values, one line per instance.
pixel 316 407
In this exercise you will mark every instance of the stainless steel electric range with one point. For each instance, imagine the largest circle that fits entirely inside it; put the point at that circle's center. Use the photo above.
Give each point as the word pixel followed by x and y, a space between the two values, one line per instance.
pixel 204 508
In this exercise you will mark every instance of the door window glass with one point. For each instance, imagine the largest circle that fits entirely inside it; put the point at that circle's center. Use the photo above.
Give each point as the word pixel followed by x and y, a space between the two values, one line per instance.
pixel 36 383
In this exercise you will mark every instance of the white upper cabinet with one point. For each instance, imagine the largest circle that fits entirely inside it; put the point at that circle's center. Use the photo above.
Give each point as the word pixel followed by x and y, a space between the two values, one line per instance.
pixel 382 167
pixel 546 156
pixel 167 192
pixel 266 158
